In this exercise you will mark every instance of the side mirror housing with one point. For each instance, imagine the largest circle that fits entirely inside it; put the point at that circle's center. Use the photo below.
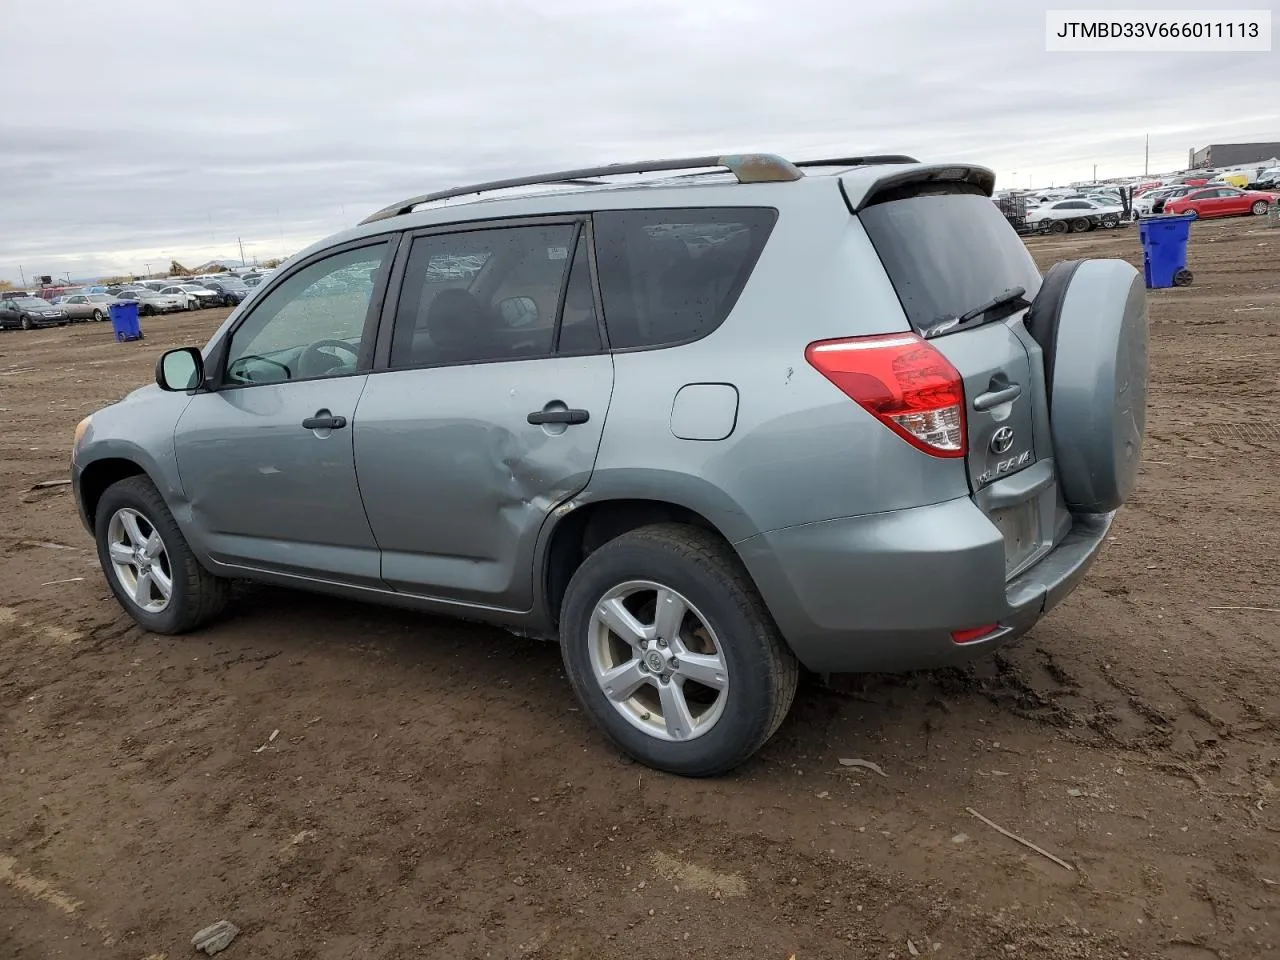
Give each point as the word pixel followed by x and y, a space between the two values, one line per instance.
pixel 181 369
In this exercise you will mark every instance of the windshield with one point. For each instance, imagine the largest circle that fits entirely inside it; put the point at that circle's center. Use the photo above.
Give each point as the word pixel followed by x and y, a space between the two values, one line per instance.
pixel 99 298
pixel 233 283
pixel 191 286
pixel 31 301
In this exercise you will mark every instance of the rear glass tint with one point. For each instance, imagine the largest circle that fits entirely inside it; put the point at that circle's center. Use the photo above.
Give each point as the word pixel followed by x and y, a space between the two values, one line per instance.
pixel 672 276
pixel 947 254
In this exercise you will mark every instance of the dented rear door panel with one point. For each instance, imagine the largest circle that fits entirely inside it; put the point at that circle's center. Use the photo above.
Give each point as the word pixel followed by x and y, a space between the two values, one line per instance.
pixel 456 482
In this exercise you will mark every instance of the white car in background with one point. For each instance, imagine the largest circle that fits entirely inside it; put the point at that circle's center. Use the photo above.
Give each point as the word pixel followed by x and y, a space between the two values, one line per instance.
pixel 198 297
pixel 1076 216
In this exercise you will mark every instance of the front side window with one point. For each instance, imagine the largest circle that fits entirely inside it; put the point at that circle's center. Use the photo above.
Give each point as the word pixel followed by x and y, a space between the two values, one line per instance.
pixel 672 276
pixel 311 325
pixel 482 295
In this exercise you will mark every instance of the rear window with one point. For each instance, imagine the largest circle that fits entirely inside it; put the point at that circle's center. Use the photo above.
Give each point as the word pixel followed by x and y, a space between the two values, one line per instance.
pixel 947 254
pixel 672 276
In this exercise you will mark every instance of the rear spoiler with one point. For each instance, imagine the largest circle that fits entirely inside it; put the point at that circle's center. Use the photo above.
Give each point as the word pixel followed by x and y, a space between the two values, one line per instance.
pixel 861 192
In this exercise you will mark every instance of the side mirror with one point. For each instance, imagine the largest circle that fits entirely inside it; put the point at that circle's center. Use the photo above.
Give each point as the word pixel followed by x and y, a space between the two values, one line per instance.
pixel 181 369
pixel 519 311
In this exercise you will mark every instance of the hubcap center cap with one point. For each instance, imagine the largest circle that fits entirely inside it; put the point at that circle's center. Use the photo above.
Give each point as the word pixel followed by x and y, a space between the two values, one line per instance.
pixel 655 661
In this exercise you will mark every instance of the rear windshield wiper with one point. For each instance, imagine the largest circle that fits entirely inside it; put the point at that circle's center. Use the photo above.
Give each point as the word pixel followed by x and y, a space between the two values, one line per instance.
pixel 1014 296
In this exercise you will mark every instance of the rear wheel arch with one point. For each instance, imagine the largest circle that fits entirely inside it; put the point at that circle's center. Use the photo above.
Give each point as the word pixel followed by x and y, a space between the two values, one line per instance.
pixel 587 528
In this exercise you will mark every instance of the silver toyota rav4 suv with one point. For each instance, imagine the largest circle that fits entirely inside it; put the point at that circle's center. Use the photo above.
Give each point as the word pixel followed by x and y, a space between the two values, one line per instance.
pixel 704 421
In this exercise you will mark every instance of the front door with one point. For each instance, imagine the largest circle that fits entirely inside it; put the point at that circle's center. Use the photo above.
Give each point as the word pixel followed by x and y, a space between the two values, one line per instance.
pixel 491 412
pixel 266 459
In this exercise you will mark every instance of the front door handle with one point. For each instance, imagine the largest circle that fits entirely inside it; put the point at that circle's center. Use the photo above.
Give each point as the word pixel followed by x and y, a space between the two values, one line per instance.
pixel 323 420
pixel 539 417
pixel 993 398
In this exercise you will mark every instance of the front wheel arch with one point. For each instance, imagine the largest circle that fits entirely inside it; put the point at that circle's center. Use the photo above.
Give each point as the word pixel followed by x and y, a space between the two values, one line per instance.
pixel 97 476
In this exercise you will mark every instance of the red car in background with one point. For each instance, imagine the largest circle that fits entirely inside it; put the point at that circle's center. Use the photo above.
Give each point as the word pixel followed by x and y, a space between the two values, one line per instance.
pixel 1221 202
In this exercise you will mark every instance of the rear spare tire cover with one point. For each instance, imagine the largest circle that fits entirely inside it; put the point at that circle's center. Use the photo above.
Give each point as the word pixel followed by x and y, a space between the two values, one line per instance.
pixel 1090 319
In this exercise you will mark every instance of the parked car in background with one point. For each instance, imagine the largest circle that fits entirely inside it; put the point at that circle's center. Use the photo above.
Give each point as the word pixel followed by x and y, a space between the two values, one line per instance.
pixel 1221 202
pixel 579 427
pixel 151 302
pixel 198 296
pixel 1268 179
pixel 232 289
pixel 1076 215
pixel 1157 199
pixel 87 306
pixel 28 312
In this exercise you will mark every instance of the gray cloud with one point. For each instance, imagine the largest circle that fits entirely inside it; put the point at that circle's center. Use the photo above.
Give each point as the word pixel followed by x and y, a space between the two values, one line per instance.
pixel 153 130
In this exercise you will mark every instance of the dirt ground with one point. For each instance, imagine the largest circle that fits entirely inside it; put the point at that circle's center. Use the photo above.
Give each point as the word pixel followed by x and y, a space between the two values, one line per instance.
pixel 433 791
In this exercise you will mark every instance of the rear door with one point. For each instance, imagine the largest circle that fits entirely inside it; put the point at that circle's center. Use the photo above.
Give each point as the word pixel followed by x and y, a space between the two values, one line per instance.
pixel 489 412
pixel 947 255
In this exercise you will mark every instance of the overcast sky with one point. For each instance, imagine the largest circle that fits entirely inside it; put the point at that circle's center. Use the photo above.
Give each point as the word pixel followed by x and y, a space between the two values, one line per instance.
pixel 137 130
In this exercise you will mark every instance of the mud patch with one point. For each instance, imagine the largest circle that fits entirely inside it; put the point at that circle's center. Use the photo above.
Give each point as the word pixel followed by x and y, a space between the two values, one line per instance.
pixel 690 876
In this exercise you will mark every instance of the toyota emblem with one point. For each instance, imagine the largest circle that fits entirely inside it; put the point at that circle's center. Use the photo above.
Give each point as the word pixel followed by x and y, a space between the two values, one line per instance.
pixel 1002 440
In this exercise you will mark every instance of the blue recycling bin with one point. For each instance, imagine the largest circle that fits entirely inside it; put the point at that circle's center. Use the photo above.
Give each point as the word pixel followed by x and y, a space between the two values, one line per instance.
pixel 1164 250
pixel 124 320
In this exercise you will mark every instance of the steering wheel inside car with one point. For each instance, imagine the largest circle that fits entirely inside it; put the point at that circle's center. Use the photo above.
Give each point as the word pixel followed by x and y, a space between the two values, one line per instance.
pixel 314 361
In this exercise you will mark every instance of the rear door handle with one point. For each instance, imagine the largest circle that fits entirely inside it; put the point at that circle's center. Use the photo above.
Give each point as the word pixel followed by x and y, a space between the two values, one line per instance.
pixel 539 417
pixel 324 421
pixel 993 398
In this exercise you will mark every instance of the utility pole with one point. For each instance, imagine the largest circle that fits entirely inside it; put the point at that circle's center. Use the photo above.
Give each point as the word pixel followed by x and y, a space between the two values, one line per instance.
pixel 1095 172
pixel 148 271
pixel 23 275
pixel 241 242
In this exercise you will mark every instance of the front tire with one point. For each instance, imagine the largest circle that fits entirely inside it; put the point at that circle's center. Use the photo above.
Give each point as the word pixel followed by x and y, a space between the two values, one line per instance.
pixel 148 311
pixel 1059 226
pixel 1259 208
pixel 26 323
pixel 1111 220
pixel 148 564
pixel 97 316
pixel 1080 225
pixel 671 650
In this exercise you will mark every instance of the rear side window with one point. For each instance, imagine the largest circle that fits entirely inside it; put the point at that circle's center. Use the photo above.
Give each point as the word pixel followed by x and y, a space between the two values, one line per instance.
pixel 672 276
pixel 947 254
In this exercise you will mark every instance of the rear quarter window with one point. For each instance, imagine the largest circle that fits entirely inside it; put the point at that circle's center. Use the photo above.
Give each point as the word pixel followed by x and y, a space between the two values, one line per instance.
pixel 947 254
pixel 672 276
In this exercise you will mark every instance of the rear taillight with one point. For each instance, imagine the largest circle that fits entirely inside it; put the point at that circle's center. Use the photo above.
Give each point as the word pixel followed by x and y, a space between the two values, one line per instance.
pixel 903 382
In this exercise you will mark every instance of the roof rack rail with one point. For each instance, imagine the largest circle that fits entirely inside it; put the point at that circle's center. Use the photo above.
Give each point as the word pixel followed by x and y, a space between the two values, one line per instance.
pixel 858 161
pixel 747 167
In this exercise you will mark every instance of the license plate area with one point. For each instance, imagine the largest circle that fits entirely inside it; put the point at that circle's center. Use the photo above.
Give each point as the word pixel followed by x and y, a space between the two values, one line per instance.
pixel 1020 527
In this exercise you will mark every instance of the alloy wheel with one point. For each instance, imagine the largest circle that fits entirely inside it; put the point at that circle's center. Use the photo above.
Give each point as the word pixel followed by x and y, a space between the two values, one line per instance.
pixel 658 661
pixel 139 560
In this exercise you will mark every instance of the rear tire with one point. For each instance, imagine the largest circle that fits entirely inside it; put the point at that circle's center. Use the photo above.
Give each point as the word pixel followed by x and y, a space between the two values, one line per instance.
pixel 725 635
pixel 1059 226
pixel 134 506
pixel 148 311
pixel 1080 225
pixel 1111 221
pixel 1259 208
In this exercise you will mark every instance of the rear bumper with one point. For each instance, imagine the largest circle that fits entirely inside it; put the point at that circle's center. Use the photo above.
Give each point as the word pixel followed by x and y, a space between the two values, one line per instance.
pixel 884 592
